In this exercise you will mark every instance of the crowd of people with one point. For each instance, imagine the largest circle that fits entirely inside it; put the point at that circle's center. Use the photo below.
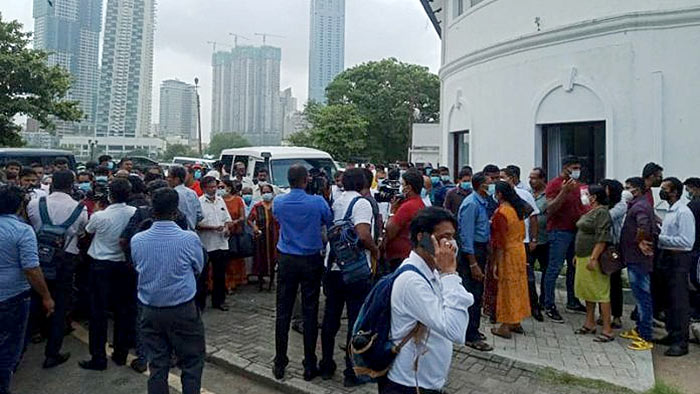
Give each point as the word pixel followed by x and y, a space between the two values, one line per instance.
pixel 152 248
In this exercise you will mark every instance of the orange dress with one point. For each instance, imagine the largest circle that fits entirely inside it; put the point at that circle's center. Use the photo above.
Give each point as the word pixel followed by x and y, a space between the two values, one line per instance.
pixel 235 270
pixel 508 235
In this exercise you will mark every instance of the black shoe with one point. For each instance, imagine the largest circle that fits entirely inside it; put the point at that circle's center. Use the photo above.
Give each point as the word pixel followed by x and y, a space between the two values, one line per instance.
pixel 298 327
pixel 278 372
pixel 119 359
pixel 222 307
pixel 577 308
pixel 553 315
pixel 310 374
pixel 56 360
pixel 537 315
pixel 139 365
pixel 351 381
pixel 666 341
pixel 92 365
pixel 634 315
pixel 676 351
pixel 327 370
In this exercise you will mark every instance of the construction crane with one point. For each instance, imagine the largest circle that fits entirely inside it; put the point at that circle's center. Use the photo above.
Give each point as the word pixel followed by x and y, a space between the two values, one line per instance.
pixel 265 35
pixel 236 37
pixel 214 44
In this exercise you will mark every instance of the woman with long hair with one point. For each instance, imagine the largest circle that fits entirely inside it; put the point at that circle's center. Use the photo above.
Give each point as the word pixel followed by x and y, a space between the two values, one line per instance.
pixel 509 262
pixel 591 284
pixel 617 207
pixel 266 231
pixel 235 270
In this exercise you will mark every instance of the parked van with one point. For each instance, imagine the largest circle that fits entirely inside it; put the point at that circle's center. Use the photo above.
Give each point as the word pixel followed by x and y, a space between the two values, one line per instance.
pixel 27 156
pixel 277 160
pixel 184 161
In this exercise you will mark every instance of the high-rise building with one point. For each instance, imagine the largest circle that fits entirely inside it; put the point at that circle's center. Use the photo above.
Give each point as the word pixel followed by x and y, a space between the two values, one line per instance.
pixel 70 31
pixel 288 105
pixel 178 110
pixel 124 95
pixel 246 95
pixel 327 45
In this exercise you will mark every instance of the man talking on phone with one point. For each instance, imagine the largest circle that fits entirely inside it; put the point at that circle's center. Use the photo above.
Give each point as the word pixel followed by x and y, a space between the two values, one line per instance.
pixel 432 307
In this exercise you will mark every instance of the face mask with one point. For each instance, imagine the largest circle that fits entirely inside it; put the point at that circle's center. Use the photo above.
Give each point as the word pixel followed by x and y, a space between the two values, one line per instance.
pixel 423 193
pixel 110 165
pixel 267 197
pixel 492 189
pixel 664 195
pixel 247 199
pixel 85 186
pixel 220 192
pixel 102 179
pixel 627 196
pixel 466 185
pixel 445 178
pixel 689 195
pixel 434 179
pixel 585 200
pixel 575 174
pixel 401 172
pixel 197 174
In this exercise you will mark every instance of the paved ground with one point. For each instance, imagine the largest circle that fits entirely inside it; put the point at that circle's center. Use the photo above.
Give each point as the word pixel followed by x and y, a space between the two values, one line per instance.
pixel 68 378
pixel 243 339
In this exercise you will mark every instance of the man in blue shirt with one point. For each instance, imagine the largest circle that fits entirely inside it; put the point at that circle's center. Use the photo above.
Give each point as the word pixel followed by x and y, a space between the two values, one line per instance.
pixel 19 271
pixel 168 260
pixel 474 234
pixel 301 217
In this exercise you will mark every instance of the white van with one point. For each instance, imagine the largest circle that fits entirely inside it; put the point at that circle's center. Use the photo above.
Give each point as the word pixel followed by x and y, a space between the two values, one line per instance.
pixel 277 160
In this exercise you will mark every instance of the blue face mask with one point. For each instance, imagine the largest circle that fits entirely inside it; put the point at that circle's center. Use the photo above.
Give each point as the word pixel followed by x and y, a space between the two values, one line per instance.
pixel 435 179
pixel 110 165
pixel 102 179
pixel 197 174
pixel 85 186
pixel 492 189
pixel 247 199
pixel 267 197
pixel 466 185
pixel 423 193
pixel 446 178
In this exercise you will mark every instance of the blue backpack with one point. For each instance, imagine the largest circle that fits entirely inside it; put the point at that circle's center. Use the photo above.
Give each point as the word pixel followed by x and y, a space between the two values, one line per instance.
pixel 371 348
pixel 51 238
pixel 346 250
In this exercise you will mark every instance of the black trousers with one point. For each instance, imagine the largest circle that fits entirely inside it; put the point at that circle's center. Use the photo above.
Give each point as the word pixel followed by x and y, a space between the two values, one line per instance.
pixel 386 386
pixel 338 296
pixel 200 298
pixel 616 294
pixel 112 283
pixel 475 287
pixel 295 271
pixel 676 266
pixel 659 287
pixel 695 281
pixel 531 280
pixel 218 260
pixel 176 329
pixel 53 327
pixel 541 255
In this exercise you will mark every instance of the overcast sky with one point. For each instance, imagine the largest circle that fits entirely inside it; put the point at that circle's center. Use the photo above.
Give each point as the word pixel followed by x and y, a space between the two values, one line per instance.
pixel 374 29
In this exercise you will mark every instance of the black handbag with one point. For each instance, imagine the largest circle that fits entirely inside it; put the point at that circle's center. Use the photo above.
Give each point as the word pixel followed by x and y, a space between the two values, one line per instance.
pixel 241 245
pixel 610 260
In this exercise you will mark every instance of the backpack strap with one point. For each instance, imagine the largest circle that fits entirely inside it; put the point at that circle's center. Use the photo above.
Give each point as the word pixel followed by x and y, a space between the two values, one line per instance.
pixel 44 212
pixel 413 268
pixel 73 216
pixel 348 211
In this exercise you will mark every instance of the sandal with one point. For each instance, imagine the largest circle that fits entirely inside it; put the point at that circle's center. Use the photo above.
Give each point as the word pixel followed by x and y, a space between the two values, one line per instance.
pixel 498 333
pixel 482 337
pixel 518 330
pixel 585 331
pixel 480 346
pixel 604 338
pixel 640 345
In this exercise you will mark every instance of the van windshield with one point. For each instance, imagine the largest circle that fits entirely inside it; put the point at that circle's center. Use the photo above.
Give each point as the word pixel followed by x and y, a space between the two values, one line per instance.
pixel 279 168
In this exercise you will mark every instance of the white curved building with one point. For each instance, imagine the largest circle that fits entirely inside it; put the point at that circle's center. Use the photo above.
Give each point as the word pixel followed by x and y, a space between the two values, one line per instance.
pixel 615 82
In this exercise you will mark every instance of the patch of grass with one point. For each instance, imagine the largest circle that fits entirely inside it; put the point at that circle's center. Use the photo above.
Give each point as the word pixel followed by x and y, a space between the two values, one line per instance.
pixel 662 388
pixel 553 376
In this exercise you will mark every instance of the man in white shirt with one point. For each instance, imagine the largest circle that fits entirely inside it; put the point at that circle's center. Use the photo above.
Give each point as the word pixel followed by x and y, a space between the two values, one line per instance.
pixel 29 180
pixel 188 202
pixel 110 276
pixel 239 171
pixel 440 306
pixel 263 178
pixel 338 293
pixel 213 232
pixel 59 278
pixel 676 243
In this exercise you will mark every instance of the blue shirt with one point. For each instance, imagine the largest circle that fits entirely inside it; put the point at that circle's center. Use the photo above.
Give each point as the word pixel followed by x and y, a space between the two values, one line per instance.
pixel 167 259
pixel 18 252
pixel 474 223
pixel 188 204
pixel 301 217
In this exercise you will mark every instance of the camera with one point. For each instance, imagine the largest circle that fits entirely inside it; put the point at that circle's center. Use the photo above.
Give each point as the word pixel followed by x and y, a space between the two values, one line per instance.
pixel 387 191
pixel 318 185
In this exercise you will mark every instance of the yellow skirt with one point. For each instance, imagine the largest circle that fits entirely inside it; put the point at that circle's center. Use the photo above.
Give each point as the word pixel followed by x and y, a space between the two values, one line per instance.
pixel 591 286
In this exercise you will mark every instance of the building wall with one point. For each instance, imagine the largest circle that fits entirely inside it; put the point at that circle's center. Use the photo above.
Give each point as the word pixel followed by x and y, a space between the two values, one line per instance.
pixel 326 45
pixel 635 71
pixel 178 110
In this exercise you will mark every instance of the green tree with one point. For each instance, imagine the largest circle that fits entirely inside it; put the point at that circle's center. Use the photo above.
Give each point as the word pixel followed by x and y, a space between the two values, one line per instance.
pixel 337 129
pixel 29 86
pixel 178 150
pixel 223 141
pixel 390 96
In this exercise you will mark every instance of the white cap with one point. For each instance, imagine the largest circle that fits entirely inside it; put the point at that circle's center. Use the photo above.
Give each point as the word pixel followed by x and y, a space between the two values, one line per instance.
pixel 215 174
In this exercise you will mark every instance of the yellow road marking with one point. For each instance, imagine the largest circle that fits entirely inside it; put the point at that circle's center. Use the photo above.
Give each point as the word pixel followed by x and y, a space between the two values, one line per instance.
pixel 81 334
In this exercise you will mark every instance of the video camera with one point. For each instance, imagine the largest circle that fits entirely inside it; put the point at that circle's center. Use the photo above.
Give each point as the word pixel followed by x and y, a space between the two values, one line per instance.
pixel 387 191
pixel 319 183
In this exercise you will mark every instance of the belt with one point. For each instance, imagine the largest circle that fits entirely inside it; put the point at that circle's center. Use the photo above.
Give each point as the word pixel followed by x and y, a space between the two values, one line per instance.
pixel 677 252
pixel 18 297
pixel 167 307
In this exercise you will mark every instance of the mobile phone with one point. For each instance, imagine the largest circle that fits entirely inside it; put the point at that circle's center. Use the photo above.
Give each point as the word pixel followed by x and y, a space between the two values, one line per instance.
pixel 427 243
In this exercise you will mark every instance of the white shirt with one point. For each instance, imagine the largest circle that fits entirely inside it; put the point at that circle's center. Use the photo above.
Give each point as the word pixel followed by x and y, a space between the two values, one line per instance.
pixel 361 214
pixel 107 226
pixel 38 193
pixel 524 186
pixel 678 228
pixel 245 182
pixel 60 206
pixel 428 203
pixel 443 309
pixel 336 192
pixel 215 215
pixel 530 200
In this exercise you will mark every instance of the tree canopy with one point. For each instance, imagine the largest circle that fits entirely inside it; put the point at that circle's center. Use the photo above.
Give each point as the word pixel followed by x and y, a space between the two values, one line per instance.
pixel 223 141
pixel 178 150
pixel 29 86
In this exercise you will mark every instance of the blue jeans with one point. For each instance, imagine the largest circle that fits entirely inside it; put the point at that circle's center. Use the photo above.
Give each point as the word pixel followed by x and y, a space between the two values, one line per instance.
pixel 561 247
pixel 640 282
pixel 14 314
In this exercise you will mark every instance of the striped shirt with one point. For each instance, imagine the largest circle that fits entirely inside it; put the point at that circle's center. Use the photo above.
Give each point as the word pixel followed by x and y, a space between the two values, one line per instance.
pixel 167 260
